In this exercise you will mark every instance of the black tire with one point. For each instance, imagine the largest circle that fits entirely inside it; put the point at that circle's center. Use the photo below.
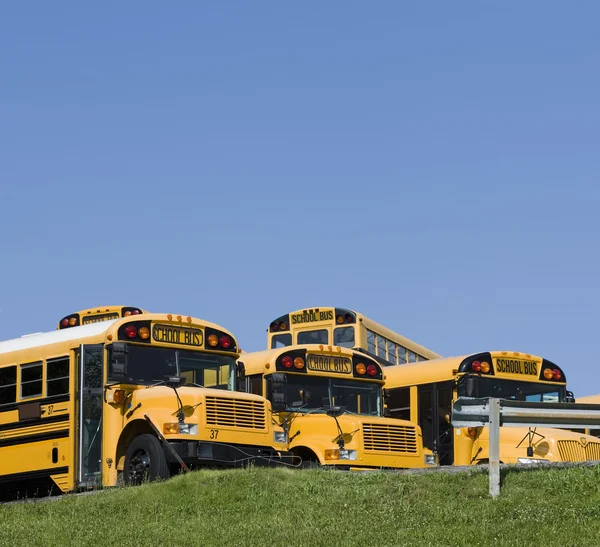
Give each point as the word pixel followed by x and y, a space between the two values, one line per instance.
pixel 145 460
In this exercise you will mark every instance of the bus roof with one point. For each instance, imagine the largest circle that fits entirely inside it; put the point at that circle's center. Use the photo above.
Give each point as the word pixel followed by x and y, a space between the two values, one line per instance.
pixel 379 328
pixel 438 370
pixel 588 399
pixel 29 341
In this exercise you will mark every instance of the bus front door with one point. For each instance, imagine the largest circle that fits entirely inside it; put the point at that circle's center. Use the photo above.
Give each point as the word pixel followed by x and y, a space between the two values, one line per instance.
pixel 435 409
pixel 90 414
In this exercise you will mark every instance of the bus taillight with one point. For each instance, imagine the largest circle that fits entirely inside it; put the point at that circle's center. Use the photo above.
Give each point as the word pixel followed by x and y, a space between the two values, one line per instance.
pixel 69 321
pixel 372 370
pixel 287 362
pixel 556 374
pixel 218 340
pixel 130 331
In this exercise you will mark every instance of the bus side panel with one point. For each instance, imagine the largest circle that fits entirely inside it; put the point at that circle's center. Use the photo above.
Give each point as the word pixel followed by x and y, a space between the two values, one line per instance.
pixel 37 453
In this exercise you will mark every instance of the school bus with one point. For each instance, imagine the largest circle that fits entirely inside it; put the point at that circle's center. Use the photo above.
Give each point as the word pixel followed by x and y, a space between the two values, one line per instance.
pixel 96 315
pixel 332 407
pixel 132 399
pixel 424 394
pixel 347 329
pixel 590 399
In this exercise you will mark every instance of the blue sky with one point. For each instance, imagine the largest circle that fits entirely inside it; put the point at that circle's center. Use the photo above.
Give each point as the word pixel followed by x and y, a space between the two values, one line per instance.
pixel 434 166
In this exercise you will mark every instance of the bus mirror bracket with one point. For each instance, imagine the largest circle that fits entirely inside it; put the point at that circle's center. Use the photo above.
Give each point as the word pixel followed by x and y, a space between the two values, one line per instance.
pixel 569 397
pixel 119 360
pixel 278 400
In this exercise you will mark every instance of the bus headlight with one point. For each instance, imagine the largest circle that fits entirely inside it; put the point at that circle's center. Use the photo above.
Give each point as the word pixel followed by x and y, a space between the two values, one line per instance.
pixel 340 454
pixel 430 459
pixel 532 461
pixel 188 429
pixel 280 437
pixel 181 429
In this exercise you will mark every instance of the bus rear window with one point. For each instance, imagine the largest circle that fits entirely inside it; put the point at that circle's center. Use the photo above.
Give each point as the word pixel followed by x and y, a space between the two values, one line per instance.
pixel 313 337
pixel 281 341
pixel 344 337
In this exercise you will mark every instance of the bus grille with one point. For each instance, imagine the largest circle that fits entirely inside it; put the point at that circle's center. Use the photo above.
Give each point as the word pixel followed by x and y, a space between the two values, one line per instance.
pixel 574 451
pixel 390 438
pixel 226 412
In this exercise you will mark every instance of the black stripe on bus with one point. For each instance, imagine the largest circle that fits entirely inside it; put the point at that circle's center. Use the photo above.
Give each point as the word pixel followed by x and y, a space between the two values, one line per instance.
pixel 35 421
pixel 28 475
pixel 46 401
pixel 26 439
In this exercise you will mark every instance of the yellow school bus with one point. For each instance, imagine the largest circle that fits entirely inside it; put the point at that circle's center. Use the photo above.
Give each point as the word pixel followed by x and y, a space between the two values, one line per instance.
pixel 133 398
pixel 97 315
pixel 424 394
pixel 332 407
pixel 590 399
pixel 347 329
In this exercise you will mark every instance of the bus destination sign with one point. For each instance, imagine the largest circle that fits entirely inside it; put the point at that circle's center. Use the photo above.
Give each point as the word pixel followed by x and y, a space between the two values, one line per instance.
pixel 517 366
pixel 98 318
pixel 329 363
pixel 184 336
pixel 311 316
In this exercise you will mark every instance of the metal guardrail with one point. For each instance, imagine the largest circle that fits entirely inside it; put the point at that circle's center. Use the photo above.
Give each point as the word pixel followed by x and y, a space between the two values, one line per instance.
pixel 493 412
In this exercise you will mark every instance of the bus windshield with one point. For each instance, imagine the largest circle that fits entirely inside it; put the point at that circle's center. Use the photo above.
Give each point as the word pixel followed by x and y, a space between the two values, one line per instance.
pixel 311 394
pixel 473 386
pixel 149 365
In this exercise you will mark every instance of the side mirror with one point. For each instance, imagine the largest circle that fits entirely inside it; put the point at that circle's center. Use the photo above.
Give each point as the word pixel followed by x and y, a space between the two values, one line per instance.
pixel 118 364
pixel 278 400
pixel 240 376
pixel 569 397
pixel 470 386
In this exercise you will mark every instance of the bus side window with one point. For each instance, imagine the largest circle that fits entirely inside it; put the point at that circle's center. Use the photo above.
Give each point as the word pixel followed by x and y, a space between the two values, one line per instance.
pixel 281 341
pixel 398 403
pixel 344 337
pixel 254 384
pixel 371 342
pixel 8 385
pixel 57 376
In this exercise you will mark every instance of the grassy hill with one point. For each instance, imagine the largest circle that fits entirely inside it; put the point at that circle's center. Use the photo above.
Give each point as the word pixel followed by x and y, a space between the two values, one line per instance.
pixel 295 508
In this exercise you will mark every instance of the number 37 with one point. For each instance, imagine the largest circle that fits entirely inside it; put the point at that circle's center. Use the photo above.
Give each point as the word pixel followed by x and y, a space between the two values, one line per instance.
pixel 214 433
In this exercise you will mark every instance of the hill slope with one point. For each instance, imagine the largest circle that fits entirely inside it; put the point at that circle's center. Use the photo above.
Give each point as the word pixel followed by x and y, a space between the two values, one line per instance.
pixel 297 508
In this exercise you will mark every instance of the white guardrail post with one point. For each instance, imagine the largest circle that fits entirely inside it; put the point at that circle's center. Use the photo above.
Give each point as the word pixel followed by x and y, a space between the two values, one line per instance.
pixel 494 454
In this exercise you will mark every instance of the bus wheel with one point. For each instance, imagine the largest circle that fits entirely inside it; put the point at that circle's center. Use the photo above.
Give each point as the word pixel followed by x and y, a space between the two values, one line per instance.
pixel 145 460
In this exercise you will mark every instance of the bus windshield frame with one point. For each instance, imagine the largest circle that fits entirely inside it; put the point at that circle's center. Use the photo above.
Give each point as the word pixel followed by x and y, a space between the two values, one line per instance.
pixel 504 388
pixel 312 394
pixel 149 365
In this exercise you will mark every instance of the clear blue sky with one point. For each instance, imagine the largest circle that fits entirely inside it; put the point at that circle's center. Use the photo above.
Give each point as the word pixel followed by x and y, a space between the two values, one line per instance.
pixel 432 165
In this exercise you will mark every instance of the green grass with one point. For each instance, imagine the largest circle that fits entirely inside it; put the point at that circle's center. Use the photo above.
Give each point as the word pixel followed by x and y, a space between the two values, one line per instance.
pixel 295 508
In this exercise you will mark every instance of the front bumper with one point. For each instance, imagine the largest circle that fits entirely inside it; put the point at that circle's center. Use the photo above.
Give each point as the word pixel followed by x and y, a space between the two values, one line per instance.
pixel 195 453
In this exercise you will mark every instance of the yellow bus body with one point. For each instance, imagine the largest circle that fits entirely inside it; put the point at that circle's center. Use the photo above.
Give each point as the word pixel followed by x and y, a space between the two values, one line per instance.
pixel 97 315
pixel 76 429
pixel 347 328
pixel 590 399
pixel 374 441
pixel 425 395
